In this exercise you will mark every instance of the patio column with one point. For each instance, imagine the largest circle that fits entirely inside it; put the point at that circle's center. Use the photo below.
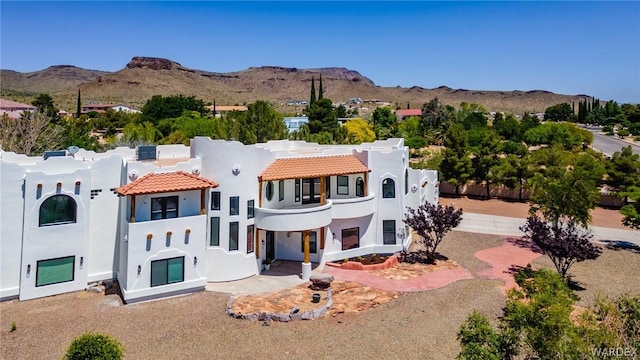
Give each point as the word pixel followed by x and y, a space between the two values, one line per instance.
pixel 322 238
pixel 202 207
pixel 133 209
pixel 306 264
pixel 364 176
pixel 257 243
pixel 323 191
pixel 260 192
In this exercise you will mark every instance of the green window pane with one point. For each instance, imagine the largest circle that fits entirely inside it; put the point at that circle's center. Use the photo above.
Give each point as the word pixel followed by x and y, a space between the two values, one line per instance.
pixel 55 271
pixel 176 270
pixel 57 210
pixel 158 272
pixel 233 236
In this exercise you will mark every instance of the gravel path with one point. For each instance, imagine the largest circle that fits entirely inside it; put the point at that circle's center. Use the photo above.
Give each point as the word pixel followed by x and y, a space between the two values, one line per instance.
pixel 421 325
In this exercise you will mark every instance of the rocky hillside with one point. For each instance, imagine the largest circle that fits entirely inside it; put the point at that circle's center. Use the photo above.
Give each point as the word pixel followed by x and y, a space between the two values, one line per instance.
pixel 144 77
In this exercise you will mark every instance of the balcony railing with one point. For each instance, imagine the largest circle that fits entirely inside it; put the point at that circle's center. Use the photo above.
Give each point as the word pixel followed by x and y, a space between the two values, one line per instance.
pixel 294 218
pixel 353 207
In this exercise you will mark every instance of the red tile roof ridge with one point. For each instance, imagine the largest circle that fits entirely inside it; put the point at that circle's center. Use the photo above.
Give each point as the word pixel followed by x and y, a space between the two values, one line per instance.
pixel 193 182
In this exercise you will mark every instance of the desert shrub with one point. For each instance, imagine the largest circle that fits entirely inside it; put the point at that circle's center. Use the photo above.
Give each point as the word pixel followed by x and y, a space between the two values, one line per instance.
pixel 94 346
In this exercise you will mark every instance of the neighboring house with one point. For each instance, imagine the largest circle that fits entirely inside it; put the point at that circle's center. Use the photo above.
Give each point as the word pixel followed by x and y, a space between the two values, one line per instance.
pixel 403 114
pixel 294 123
pixel 354 101
pixel 101 108
pixel 166 220
pixel 14 109
pixel 297 103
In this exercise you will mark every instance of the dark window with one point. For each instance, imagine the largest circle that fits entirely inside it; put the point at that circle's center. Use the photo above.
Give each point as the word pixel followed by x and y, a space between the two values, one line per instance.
pixel 234 205
pixel 343 185
pixel 406 181
pixel 388 188
pixel 215 200
pixel 297 190
pixel 57 210
pixel 233 236
pixel 214 239
pixel 310 191
pixel 280 190
pixel 167 271
pixel 389 232
pixel 269 190
pixel 164 208
pixel 313 243
pixel 55 271
pixel 359 187
pixel 350 238
pixel 250 207
pixel 327 186
pixel 249 239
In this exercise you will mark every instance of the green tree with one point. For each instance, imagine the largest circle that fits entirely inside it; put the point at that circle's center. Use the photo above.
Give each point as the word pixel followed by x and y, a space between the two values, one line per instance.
pixel 435 116
pixel 45 105
pixel 623 169
pixel 265 123
pixel 321 90
pixel 322 117
pixel 384 122
pixel 456 167
pixel 508 128
pixel 558 112
pixel 160 107
pixel 79 108
pixel 77 132
pixel 486 158
pixel 139 134
pixel 569 190
pixel 94 346
pixel 631 212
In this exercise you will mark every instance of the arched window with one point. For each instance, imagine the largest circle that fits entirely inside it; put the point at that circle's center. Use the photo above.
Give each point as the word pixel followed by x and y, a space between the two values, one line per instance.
pixel 359 187
pixel 388 188
pixel 269 190
pixel 406 181
pixel 57 210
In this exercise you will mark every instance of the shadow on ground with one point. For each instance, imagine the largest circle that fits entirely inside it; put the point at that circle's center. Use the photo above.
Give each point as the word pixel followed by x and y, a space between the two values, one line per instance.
pixel 619 245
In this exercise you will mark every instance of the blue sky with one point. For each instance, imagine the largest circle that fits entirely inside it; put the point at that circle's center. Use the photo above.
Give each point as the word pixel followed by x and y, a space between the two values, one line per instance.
pixel 566 47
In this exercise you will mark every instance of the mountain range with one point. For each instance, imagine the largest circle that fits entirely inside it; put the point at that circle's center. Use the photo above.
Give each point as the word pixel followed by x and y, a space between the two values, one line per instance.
pixel 144 77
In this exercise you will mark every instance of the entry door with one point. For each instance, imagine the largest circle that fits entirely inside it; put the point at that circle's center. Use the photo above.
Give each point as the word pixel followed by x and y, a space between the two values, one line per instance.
pixel 310 191
pixel 271 245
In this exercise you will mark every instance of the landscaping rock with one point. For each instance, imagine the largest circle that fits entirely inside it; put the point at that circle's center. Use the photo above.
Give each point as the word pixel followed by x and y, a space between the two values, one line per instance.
pixel 321 281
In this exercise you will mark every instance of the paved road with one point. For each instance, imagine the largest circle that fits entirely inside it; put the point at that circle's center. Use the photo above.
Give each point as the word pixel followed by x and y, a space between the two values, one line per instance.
pixel 609 144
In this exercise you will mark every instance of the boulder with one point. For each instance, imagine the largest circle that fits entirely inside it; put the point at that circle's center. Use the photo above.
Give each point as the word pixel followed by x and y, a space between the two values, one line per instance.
pixel 321 281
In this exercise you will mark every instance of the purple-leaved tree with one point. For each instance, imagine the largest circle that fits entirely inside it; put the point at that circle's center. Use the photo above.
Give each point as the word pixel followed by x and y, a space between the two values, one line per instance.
pixel 563 242
pixel 432 223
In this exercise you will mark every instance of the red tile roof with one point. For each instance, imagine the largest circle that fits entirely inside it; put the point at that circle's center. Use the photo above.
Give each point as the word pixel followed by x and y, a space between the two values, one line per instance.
pixel 153 183
pixel 312 167
pixel 409 112
pixel 12 105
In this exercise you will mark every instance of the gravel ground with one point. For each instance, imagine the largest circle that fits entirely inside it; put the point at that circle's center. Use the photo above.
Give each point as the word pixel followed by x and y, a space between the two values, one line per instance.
pixel 419 325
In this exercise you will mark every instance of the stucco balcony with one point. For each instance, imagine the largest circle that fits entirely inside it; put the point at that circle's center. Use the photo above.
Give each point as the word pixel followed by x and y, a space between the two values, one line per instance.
pixel 294 218
pixel 353 207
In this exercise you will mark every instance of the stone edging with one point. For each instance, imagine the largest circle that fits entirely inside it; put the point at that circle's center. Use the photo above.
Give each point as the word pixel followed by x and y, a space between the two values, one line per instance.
pixel 355 265
pixel 294 314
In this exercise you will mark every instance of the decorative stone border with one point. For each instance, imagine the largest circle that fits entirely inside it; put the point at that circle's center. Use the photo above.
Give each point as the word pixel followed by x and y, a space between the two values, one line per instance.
pixel 355 265
pixel 294 314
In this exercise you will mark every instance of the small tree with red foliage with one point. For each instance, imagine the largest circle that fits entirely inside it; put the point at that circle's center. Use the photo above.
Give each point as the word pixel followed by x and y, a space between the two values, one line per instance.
pixel 432 223
pixel 563 242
